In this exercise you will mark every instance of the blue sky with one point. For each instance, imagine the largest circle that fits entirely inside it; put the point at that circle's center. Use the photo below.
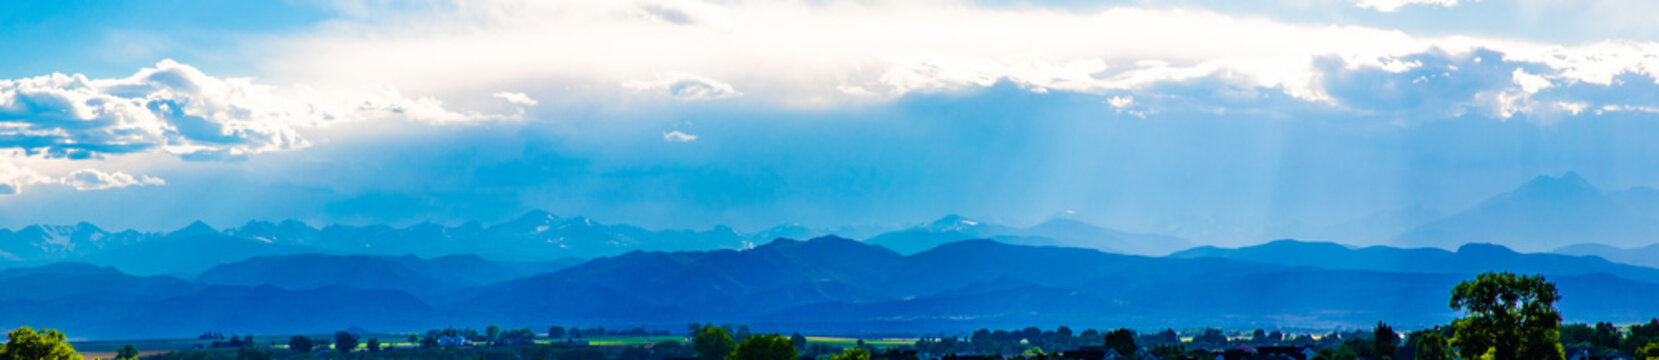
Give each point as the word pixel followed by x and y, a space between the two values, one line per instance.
pixel 1222 122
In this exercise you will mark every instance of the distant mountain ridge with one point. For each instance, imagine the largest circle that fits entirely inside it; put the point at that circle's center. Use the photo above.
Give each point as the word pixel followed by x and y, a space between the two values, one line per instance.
pixel 1055 232
pixel 1643 256
pixel 1547 213
pixel 537 236
pixel 825 284
pixel 1467 260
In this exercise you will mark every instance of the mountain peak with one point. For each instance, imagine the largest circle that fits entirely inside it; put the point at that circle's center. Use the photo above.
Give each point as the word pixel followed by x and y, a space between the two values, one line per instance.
pixel 952 222
pixel 1569 182
pixel 195 228
pixel 1484 249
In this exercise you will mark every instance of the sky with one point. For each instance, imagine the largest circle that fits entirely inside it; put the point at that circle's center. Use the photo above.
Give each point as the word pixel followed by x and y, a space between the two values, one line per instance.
pixel 1224 122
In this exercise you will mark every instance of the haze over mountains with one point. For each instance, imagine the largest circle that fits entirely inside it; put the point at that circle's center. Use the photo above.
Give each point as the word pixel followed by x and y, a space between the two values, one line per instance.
pixel 948 275
pixel 828 284
pixel 1547 213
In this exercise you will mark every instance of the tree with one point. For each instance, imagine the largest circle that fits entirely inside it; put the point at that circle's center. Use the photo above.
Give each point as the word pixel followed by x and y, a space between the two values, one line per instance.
pixel 1211 336
pixel 1607 336
pixel 765 347
pixel 713 343
pixel 1385 342
pixel 253 353
pixel 374 344
pixel 1258 336
pixel 1169 351
pixel 345 342
pixel 800 342
pixel 300 344
pixel 669 349
pixel 1122 341
pixel 1649 352
pixel 1432 346
pixel 853 353
pixel 128 352
pixel 1336 353
pixel 492 333
pixel 25 344
pixel 556 332
pixel 1509 317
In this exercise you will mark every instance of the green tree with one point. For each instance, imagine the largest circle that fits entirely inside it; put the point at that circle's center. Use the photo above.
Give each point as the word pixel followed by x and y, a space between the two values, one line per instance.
pixel 669 348
pixel 374 344
pixel 1509 317
pixel 1385 341
pixel 25 344
pixel 1607 336
pixel 1432 346
pixel 345 342
pixel 1649 352
pixel 765 347
pixel 300 344
pixel 853 353
pixel 800 342
pixel 1122 341
pixel 492 333
pixel 253 353
pixel 128 352
pixel 1169 351
pixel 556 332
pixel 713 343
pixel 1336 353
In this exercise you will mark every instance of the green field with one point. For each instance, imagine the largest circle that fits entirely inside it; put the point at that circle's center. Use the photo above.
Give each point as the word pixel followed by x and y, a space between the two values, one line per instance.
pixel 845 342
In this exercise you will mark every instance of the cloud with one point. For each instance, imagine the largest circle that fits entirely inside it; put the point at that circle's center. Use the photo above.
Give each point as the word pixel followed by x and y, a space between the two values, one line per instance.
pixel 677 136
pixel 516 98
pixel 14 178
pixel 90 179
pixel 836 53
pixel 686 87
pixel 177 109
pixel 1393 5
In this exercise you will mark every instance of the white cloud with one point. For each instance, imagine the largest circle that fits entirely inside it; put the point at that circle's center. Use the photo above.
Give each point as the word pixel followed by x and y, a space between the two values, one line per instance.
pixel 90 179
pixel 831 53
pixel 13 179
pixel 1393 5
pixel 677 136
pixel 686 87
pixel 1121 101
pixel 516 98
pixel 177 109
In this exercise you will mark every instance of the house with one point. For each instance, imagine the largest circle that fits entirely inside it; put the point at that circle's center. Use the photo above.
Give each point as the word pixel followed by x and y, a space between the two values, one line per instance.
pixel 1144 355
pixel 453 341
pixel 1586 354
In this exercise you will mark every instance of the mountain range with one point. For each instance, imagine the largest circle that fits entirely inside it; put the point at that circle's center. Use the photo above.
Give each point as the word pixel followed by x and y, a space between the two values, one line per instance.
pixel 827 284
pixel 536 237
pixel 1055 232
pixel 1547 213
